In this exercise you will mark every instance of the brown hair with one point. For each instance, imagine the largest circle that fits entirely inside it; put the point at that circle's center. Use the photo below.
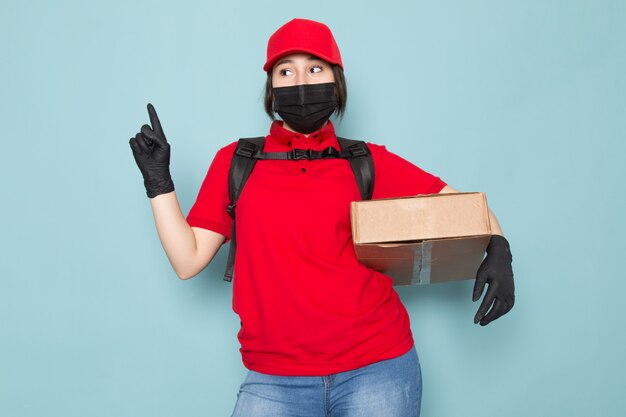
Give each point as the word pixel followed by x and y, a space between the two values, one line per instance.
pixel 341 92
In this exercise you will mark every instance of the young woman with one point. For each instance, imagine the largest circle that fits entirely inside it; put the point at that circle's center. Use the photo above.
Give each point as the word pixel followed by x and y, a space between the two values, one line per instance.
pixel 320 332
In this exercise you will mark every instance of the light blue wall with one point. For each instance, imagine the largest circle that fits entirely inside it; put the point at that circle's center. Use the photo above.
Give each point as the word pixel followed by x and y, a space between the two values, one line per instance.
pixel 523 100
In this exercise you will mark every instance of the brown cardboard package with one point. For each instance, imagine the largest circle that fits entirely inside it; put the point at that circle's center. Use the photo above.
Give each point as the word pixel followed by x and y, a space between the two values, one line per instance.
pixel 424 239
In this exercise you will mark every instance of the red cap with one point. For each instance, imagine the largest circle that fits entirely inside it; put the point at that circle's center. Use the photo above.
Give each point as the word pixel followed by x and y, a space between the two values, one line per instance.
pixel 302 35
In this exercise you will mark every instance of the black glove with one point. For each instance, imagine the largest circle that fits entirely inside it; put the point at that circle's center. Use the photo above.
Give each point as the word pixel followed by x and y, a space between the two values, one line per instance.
pixel 497 271
pixel 152 154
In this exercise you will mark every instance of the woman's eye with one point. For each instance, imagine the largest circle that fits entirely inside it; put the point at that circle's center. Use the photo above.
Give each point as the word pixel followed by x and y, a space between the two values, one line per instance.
pixel 285 72
pixel 316 68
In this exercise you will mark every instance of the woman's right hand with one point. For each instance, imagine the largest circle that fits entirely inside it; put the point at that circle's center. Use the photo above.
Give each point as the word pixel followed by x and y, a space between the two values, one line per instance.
pixel 152 155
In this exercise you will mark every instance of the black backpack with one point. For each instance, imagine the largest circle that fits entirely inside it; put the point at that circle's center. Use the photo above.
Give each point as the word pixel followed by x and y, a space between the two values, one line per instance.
pixel 250 149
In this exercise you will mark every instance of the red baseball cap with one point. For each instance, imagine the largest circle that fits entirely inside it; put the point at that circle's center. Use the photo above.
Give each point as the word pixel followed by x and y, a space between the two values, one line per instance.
pixel 302 35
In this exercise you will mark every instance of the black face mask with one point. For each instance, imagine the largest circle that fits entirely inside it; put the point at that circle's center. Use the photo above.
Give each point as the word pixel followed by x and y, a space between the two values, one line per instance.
pixel 305 107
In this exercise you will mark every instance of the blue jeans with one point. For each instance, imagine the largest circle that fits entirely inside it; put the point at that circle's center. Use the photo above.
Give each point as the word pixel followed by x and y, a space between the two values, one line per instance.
pixel 389 388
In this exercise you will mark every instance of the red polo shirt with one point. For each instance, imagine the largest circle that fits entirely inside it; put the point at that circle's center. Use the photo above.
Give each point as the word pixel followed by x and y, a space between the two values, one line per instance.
pixel 307 306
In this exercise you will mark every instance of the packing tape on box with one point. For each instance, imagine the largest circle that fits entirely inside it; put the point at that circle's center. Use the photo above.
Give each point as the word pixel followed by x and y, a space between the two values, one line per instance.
pixel 421 264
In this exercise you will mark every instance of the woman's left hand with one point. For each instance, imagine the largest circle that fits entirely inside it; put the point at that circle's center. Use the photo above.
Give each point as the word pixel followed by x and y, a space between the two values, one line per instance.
pixel 496 270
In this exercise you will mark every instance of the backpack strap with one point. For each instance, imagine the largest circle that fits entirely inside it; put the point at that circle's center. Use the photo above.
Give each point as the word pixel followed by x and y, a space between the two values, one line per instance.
pixel 249 150
pixel 240 169
pixel 362 165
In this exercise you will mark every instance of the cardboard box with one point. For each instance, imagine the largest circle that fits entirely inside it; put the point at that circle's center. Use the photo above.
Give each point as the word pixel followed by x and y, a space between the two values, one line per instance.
pixel 422 239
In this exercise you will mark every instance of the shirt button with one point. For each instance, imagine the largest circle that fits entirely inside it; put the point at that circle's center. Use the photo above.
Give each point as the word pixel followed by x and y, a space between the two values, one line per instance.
pixel 289 143
pixel 303 169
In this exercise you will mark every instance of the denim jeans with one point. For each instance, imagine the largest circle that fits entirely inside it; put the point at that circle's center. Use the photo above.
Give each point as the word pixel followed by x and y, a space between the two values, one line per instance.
pixel 388 388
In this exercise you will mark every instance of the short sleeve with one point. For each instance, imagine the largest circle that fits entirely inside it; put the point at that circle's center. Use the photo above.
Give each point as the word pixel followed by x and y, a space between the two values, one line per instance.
pixel 394 176
pixel 209 209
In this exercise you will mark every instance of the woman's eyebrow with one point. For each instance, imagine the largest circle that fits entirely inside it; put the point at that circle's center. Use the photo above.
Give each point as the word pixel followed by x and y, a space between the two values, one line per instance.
pixel 284 61
pixel 290 61
pixel 314 58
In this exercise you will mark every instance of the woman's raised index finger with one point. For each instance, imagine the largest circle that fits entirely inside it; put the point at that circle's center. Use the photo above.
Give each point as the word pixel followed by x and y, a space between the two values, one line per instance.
pixel 154 120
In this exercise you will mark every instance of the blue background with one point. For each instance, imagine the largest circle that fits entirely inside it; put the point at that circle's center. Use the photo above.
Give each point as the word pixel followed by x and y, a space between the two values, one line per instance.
pixel 525 101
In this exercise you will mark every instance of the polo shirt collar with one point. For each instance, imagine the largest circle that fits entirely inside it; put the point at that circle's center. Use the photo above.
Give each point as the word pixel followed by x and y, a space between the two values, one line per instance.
pixel 289 138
